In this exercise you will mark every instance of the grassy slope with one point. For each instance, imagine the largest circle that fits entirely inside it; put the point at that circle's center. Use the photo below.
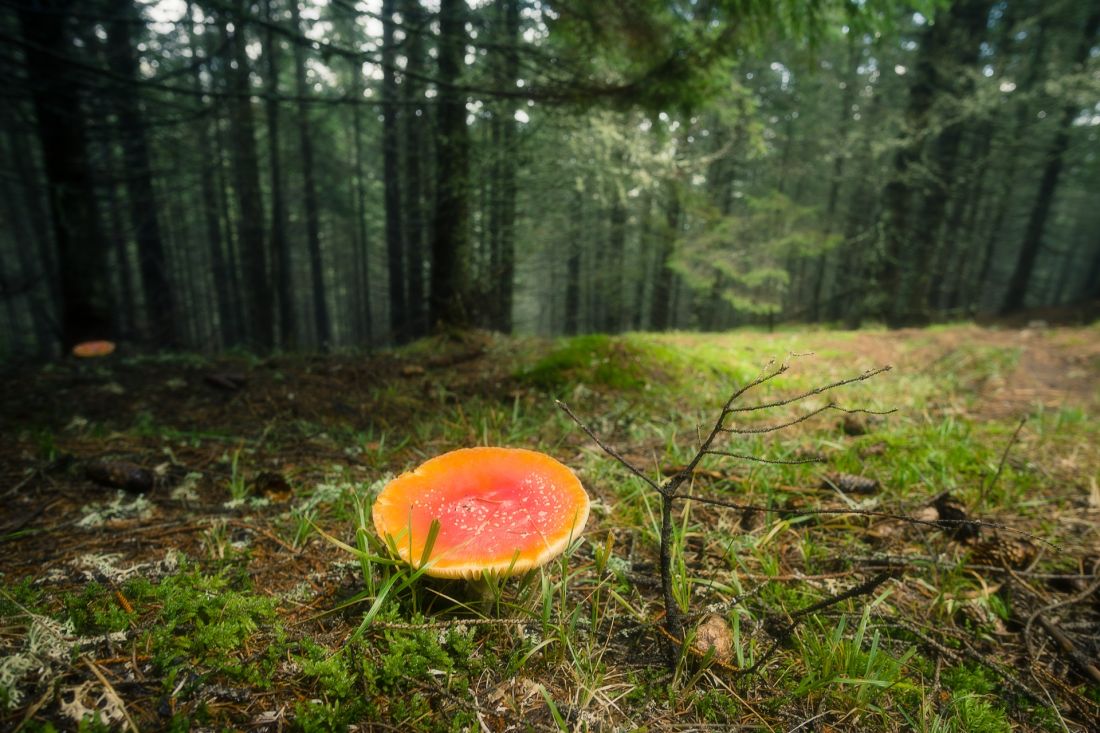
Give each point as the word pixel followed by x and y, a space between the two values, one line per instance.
pixel 187 609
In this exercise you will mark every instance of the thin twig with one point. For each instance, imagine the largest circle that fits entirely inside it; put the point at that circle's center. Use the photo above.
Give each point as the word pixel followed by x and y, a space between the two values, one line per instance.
pixel 955 654
pixel 674 481
pixel 815 391
pixel 111 691
pixel 782 635
pixel 937 523
pixel 606 448
pixel 986 488
pixel 758 459
pixel 804 418
pixel 1068 647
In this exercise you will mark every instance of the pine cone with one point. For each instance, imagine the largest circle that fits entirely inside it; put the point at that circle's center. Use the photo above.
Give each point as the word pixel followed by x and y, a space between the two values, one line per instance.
pixel 1003 553
pixel 850 483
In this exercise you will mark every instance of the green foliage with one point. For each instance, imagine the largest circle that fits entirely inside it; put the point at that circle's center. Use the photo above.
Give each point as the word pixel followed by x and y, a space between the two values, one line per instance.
pixel 742 259
pixel 973 714
pixel 19 597
pixel 96 610
pixel 663 56
pixel 594 360
pixel 855 670
pixel 204 622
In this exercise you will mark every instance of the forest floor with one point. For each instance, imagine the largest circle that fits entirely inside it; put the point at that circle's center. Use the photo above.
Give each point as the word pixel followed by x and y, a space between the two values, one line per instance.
pixel 170 551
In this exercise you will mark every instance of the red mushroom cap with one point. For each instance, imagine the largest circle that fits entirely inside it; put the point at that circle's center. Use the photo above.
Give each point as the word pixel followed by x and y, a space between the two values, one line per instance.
pixel 94 348
pixel 501 511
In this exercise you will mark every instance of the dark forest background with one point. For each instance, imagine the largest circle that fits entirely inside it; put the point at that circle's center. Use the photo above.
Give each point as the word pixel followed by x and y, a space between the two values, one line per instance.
pixel 304 175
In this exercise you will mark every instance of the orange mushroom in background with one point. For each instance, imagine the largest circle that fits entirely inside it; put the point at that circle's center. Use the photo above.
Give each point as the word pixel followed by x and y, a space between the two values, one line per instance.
pixel 501 511
pixel 89 349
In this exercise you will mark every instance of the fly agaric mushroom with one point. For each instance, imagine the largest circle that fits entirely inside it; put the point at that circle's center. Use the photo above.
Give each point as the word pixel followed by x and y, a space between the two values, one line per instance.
pixel 501 511
pixel 88 349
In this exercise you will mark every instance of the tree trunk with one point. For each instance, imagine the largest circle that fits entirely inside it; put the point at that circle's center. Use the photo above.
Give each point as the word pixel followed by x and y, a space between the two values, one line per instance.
pixel 246 173
pixel 616 251
pixel 391 174
pixel 1048 185
pixel 908 241
pixel 505 180
pixel 125 299
pixel 450 239
pixel 415 226
pixel 156 285
pixel 362 242
pixel 33 277
pixel 81 248
pixel 209 175
pixel 573 269
pixel 322 321
pixel 959 41
pixel 660 307
pixel 280 245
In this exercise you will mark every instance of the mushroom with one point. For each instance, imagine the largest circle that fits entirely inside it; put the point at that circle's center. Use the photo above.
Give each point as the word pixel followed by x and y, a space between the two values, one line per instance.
pixel 500 512
pixel 88 349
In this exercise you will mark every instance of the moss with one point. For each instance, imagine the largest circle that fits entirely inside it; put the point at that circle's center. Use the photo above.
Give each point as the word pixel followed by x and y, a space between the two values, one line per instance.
pixel 209 624
pixel 594 360
pixel 96 610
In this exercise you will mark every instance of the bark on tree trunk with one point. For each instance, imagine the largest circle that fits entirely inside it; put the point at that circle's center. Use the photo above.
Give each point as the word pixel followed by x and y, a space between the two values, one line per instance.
pixel 363 279
pixel 156 285
pixel 660 307
pixel 395 255
pixel 81 248
pixel 416 122
pixel 246 173
pixel 322 322
pixel 280 245
pixel 573 270
pixel 209 175
pixel 1048 185
pixel 450 238
pixel 505 245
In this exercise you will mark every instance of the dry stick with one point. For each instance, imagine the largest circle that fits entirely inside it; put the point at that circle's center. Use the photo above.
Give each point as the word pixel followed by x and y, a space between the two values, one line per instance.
pixel 783 634
pixel 935 523
pixel 672 616
pixel 112 692
pixel 758 459
pixel 986 488
pixel 1066 645
pixel 815 391
pixel 956 654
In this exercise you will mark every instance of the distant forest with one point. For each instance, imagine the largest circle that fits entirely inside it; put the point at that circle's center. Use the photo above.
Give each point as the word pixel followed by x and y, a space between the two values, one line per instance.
pixel 276 174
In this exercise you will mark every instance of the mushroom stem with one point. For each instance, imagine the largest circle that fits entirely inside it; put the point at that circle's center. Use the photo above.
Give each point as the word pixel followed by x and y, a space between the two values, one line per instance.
pixel 673 618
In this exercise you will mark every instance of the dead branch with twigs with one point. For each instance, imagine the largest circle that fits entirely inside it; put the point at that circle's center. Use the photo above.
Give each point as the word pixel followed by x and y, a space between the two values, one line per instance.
pixel 673 489
pixel 670 489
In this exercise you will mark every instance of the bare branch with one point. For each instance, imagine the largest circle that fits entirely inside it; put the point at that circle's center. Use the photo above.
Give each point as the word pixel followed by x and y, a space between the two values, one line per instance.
pixel 758 459
pixel 677 479
pixel 864 411
pixel 781 635
pixel 804 418
pixel 986 488
pixel 606 448
pixel 817 390
pixel 780 426
pixel 935 523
